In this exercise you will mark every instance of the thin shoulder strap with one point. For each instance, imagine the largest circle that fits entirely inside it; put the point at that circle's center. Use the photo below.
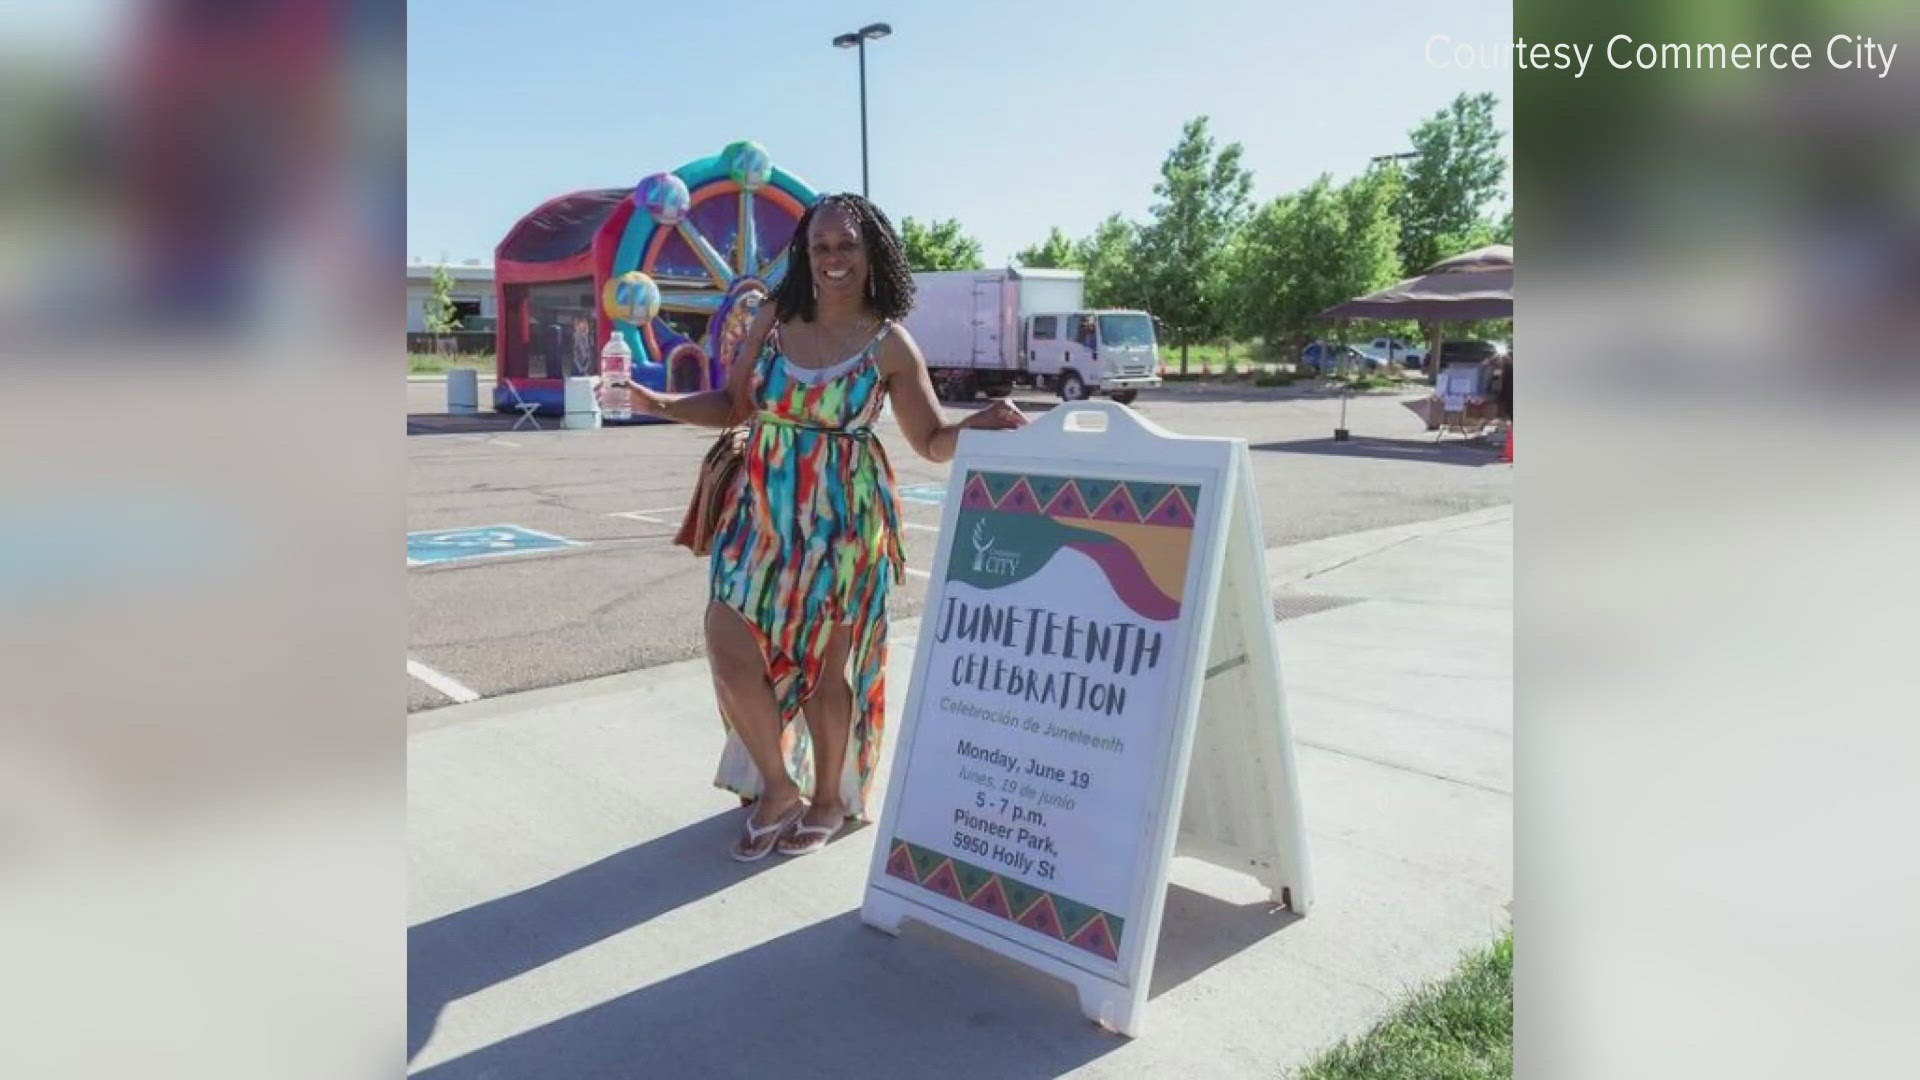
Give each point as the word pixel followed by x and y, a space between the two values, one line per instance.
pixel 886 325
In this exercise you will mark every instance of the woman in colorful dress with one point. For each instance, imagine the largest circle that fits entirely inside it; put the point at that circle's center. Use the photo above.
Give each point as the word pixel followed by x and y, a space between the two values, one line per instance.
pixel 809 547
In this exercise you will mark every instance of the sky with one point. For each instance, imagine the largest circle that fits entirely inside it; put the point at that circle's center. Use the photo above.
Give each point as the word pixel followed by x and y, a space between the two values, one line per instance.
pixel 1010 116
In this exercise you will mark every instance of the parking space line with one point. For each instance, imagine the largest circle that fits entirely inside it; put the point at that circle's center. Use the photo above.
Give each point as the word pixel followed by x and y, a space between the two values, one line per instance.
pixel 647 515
pixel 440 682
pixel 921 574
pixel 922 528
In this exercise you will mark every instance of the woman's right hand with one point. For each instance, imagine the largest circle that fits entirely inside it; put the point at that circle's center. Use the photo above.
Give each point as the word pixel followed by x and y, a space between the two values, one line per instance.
pixel 647 400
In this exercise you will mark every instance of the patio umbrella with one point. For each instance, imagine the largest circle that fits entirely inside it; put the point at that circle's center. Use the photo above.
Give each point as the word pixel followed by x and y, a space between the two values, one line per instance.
pixel 1477 284
pixel 1472 285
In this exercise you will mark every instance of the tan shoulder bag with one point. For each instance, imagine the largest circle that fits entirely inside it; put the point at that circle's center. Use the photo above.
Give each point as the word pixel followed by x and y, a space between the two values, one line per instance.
pixel 720 474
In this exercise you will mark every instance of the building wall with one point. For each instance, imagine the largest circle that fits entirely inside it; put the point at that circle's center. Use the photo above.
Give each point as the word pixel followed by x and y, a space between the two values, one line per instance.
pixel 420 289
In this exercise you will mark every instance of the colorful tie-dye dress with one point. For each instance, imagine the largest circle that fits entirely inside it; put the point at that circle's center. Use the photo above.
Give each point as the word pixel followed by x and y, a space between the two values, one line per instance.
pixel 812 543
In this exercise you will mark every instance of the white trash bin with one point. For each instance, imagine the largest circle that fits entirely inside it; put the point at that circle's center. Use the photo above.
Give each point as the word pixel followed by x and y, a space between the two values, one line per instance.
pixel 583 405
pixel 463 392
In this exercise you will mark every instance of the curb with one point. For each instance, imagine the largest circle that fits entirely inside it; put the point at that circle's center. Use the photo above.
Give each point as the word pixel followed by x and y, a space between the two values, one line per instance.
pixel 1288 564
pixel 1293 563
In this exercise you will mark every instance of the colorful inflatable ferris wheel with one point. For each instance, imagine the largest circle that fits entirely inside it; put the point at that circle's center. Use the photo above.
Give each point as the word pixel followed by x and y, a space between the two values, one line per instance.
pixel 708 235
pixel 669 264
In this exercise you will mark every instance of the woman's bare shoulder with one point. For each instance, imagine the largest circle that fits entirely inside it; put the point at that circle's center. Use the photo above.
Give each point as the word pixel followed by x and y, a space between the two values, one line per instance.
pixel 899 353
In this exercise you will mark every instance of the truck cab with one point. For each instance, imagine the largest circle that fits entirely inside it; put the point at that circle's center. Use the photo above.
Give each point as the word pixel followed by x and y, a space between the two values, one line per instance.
pixel 1081 353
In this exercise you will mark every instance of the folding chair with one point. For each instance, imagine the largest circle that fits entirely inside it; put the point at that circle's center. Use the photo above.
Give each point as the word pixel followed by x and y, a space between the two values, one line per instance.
pixel 527 408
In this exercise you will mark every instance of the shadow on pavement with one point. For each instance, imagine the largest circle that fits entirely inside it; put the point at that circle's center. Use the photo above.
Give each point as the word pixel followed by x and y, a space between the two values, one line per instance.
pixel 443 424
pixel 835 998
pixel 1199 931
pixel 1247 391
pixel 1472 453
pixel 832 999
pixel 468 951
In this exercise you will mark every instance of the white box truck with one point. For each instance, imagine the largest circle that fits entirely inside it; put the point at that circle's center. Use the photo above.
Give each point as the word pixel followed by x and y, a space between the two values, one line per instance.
pixel 987 331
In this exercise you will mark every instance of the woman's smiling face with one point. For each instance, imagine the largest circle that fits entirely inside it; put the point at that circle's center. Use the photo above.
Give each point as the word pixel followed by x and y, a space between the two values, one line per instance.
pixel 838 254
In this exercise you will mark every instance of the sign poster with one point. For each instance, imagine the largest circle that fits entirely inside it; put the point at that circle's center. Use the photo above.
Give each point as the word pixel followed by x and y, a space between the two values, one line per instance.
pixel 1047 709
pixel 1458 382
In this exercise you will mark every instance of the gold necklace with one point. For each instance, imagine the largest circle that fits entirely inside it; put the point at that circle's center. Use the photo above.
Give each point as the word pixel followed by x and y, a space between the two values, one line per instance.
pixel 842 344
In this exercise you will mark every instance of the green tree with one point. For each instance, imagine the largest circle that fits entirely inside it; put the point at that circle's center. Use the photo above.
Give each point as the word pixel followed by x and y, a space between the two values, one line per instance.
pixel 438 310
pixel 1108 258
pixel 1372 245
pixel 1056 252
pixel 940 246
pixel 1307 251
pixel 1276 258
pixel 1457 169
pixel 1181 254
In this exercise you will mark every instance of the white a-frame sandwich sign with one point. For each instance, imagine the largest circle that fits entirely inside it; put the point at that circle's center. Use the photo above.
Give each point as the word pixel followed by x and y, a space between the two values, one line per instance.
pixel 1099 618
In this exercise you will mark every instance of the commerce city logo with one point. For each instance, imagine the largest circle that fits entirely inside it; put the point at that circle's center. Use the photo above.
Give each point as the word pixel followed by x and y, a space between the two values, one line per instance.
pixel 1011 527
pixel 989 560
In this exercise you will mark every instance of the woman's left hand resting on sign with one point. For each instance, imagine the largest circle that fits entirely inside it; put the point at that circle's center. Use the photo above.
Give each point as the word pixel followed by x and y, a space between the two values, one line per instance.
pixel 1001 414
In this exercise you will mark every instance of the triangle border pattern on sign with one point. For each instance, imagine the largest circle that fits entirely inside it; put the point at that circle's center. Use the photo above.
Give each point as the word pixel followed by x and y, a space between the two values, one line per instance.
pixel 1119 506
pixel 1020 498
pixel 1009 899
pixel 1046 488
pixel 975 495
pixel 999 485
pixel 1173 510
pixel 1068 503
pixel 1097 937
pixel 1133 502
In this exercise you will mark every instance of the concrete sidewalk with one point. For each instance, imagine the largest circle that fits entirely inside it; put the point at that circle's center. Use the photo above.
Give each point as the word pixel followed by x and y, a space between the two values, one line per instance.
pixel 573 912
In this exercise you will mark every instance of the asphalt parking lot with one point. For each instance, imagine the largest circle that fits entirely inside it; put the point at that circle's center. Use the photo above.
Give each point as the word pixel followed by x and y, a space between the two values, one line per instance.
pixel 590 583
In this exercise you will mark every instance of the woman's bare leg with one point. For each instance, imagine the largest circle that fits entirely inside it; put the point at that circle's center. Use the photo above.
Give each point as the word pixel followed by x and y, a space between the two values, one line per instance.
pixel 830 724
pixel 746 697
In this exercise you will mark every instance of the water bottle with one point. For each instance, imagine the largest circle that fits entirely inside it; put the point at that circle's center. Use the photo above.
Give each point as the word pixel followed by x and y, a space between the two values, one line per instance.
pixel 616 371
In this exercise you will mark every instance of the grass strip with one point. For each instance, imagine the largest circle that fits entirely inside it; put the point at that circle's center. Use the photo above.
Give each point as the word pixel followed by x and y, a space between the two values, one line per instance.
pixel 1460 1028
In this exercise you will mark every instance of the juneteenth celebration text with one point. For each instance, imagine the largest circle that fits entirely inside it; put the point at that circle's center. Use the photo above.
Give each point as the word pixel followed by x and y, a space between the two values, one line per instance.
pixel 1126 648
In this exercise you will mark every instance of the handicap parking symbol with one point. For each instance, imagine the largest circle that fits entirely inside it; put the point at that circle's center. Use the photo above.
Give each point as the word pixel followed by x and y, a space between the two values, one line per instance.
pixel 930 494
pixel 452 545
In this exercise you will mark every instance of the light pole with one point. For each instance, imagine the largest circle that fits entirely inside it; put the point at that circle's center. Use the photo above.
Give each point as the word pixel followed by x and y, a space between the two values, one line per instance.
pixel 858 39
pixel 1340 433
pixel 1405 155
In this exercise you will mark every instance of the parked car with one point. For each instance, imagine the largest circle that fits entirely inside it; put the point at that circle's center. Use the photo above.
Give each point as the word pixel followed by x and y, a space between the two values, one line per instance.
pixel 1321 357
pixel 1469 352
pixel 1392 350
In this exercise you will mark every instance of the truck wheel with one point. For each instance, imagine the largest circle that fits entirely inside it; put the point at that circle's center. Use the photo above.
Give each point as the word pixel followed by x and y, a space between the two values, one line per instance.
pixel 1071 388
pixel 1124 397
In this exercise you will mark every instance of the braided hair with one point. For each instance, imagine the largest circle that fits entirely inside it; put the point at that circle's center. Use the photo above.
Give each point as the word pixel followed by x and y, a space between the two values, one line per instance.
pixel 889 281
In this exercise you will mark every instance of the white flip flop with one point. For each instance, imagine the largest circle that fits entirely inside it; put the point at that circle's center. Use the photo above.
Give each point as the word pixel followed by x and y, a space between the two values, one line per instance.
pixel 815 837
pixel 751 838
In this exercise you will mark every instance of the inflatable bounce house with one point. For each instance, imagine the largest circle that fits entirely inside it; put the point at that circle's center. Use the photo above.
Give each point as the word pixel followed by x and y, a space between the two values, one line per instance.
pixel 666 264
